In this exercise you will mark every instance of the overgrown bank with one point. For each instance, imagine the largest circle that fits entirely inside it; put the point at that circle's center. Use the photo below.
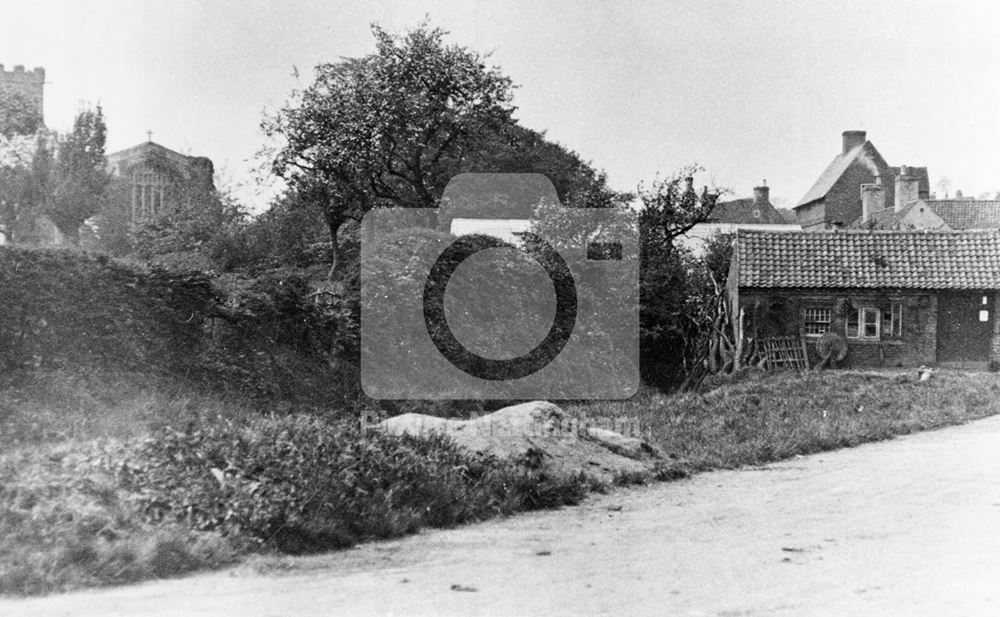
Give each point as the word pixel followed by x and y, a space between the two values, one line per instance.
pixel 213 483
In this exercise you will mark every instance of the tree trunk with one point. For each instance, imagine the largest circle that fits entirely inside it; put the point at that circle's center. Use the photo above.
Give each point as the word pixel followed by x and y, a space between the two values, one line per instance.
pixel 333 225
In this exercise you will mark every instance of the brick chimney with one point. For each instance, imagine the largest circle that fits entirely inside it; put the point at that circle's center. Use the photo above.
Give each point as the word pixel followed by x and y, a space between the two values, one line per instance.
pixel 907 188
pixel 872 199
pixel 761 194
pixel 853 139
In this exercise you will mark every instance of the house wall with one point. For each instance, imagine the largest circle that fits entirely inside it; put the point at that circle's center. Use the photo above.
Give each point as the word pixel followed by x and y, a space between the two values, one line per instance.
pixel 812 217
pixel 995 343
pixel 922 217
pixel 843 201
pixel 779 313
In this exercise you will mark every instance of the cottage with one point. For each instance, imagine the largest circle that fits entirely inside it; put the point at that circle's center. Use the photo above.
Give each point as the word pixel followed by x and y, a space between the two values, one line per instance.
pixel 894 298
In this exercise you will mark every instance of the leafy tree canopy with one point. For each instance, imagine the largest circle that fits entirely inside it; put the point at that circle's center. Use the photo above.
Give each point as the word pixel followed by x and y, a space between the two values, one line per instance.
pixel 81 176
pixel 394 127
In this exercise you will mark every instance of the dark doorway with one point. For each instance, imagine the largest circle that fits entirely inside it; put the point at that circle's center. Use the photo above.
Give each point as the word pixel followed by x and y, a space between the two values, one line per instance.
pixel 965 328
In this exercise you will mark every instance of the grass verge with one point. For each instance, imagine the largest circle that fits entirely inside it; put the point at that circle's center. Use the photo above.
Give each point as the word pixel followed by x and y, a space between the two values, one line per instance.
pixel 762 417
pixel 181 480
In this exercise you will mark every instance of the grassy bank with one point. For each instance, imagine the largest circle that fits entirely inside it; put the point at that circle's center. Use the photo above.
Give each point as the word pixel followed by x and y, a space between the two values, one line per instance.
pixel 761 417
pixel 108 479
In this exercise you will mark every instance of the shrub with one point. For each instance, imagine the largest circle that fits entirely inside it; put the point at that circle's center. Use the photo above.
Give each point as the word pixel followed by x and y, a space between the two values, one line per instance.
pixel 306 484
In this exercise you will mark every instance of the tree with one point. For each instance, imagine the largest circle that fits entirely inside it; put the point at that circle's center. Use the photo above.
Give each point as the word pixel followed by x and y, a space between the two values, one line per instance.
pixel 380 130
pixel 81 176
pixel 944 185
pixel 26 175
pixel 675 287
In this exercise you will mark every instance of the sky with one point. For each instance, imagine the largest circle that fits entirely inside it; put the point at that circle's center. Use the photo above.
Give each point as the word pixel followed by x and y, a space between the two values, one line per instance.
pixel 751 91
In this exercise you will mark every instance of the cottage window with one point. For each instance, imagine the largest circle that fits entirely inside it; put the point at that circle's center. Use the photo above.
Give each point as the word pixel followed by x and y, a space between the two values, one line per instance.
pixel 816 321
pixel 870 323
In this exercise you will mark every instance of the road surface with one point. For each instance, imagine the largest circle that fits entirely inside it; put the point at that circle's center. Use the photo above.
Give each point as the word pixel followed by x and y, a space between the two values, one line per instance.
pixel 905 527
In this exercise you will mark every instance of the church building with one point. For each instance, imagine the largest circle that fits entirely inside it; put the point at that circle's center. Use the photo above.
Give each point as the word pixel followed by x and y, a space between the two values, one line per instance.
pixel 157 180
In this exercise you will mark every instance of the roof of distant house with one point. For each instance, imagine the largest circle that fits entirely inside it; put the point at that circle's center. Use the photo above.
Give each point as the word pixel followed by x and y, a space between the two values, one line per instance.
pixel 965 213
pixel 869 259
pixel 742 211
pixel 865 153
pixel 955 214
pixel 836 169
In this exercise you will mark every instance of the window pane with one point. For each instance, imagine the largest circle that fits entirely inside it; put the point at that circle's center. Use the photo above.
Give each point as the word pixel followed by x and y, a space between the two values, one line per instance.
pixel 870 318
pixel 816 321
pixel 853 330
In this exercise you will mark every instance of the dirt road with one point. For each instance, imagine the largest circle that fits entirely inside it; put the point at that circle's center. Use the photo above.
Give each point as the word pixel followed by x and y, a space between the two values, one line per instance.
pixel 906 527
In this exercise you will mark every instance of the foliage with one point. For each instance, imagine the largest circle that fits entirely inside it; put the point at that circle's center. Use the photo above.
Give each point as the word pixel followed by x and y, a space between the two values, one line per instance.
pixel 284 235
pixel 65 524
pixel 675 287
pixel 70 517
pixel 374 131
pixel 718 256
pixel 26 175
pixel 306 484
pixel 81 178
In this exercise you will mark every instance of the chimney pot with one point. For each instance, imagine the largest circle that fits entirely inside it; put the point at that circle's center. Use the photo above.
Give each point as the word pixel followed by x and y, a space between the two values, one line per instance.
pixel 853 139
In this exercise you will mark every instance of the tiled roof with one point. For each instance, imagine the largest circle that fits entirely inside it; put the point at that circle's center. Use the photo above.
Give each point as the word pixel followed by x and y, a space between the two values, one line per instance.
pixel 741 211
pixel 870 259
pixel 886 219
pixel 967 213
pixel 956 214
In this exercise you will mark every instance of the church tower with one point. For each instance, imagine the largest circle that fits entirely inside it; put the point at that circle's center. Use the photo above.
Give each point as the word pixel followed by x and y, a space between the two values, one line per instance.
pixel 28 84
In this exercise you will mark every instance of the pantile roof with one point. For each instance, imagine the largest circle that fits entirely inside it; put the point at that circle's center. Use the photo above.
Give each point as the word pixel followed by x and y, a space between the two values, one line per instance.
pixel 869 259
pixel 966 213
pixel 956 214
